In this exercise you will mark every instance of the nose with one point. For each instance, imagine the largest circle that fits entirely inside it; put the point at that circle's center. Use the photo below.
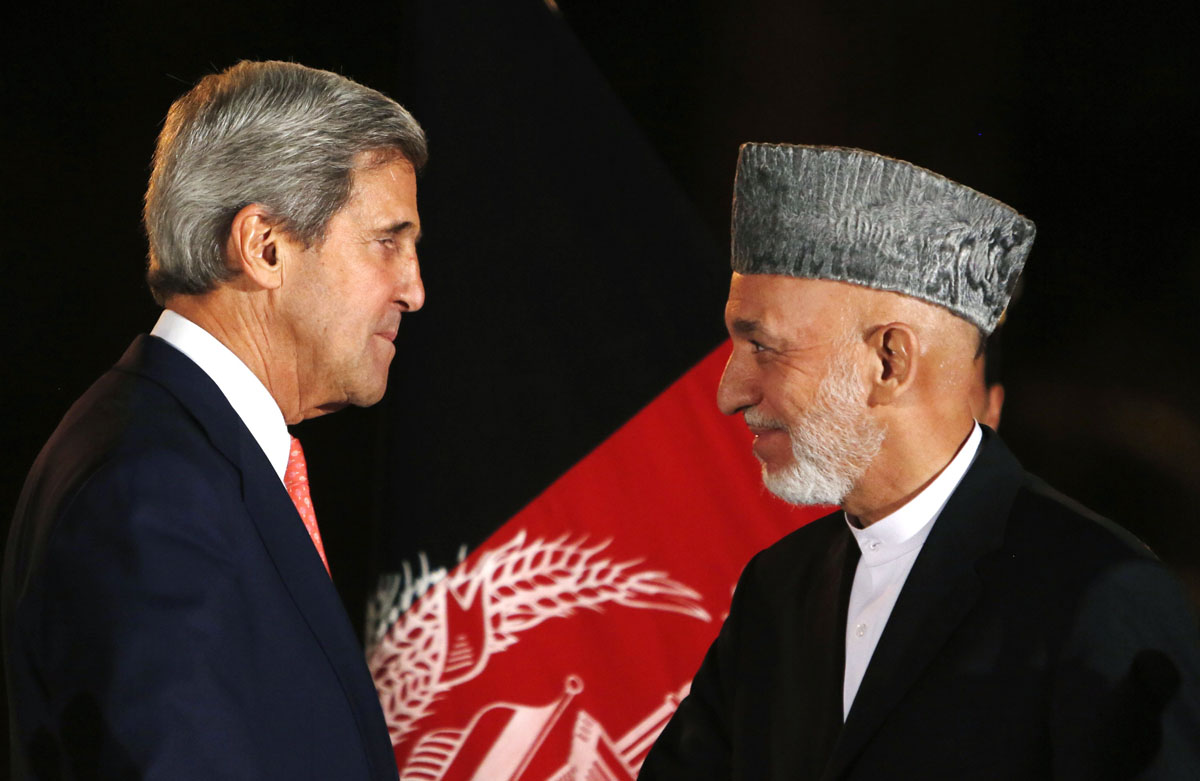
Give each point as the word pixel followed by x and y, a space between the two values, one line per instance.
pixel 739 387
pixel 410 289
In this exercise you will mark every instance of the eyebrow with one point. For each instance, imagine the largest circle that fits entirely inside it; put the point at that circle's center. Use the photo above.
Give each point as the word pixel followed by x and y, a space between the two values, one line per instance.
pixel 400 227
pixel 746 327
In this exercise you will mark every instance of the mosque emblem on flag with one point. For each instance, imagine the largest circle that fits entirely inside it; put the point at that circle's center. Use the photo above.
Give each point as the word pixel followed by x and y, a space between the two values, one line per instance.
pixel 511 737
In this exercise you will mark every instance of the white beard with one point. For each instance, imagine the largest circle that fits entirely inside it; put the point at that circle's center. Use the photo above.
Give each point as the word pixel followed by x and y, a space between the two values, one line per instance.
pixel 833 442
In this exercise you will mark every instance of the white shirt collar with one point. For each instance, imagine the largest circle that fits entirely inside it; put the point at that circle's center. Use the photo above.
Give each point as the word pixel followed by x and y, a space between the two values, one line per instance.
pixel 247 395
pixel 906 528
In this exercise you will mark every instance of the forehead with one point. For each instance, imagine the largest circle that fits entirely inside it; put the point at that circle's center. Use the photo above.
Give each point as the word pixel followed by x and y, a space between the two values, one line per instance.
pixel 383 189
pixel 787 306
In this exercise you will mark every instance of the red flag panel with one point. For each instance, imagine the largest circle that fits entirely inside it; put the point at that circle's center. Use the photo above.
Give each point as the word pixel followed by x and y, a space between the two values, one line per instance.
pixel 562 644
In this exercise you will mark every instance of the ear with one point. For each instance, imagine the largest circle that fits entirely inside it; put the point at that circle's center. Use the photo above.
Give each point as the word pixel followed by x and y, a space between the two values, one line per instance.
pixel 253 246
pixel 895 350
pixel 995 403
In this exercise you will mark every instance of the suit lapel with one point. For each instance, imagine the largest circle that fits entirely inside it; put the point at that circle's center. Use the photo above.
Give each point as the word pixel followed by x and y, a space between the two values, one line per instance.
pixel 937 595
pixel 282 532
pixel 821 660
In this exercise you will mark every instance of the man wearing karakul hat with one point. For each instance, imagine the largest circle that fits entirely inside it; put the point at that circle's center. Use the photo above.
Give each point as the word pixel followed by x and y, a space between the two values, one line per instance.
pixel 957 618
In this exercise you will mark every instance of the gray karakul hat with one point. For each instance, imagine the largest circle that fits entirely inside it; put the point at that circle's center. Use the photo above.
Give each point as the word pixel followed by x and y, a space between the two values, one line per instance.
pixel 854 216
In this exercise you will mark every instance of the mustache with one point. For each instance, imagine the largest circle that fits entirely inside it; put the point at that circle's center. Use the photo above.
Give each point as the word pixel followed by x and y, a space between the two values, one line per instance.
pixel 758 419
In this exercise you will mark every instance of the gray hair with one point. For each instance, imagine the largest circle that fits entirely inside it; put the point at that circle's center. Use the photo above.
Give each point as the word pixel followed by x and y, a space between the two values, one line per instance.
pixel 278 134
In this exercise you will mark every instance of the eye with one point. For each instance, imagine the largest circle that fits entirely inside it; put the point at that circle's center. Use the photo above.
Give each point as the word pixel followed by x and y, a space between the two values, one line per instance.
pixel 756 347
pixel 388 242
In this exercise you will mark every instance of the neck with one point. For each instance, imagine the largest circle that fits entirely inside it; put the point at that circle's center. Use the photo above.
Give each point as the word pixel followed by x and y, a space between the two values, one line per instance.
pixel 240 322
pixel 908 462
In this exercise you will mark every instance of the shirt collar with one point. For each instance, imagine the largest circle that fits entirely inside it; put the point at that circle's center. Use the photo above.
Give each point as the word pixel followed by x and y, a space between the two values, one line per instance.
pixel 906 529
pixel 247 395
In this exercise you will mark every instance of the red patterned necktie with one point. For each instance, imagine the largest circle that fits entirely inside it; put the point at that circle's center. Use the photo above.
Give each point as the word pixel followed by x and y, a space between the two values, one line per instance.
pixel 295 479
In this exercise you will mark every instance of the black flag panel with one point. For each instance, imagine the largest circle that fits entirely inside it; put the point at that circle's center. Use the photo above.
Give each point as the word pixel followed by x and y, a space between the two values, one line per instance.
pixel 568 280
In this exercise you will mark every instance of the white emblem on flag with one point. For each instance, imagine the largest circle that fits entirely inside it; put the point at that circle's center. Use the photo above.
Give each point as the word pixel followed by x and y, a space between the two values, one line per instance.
pixel 448 636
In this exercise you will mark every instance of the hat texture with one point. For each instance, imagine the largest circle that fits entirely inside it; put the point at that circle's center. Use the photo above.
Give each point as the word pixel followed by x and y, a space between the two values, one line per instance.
pixel 854 216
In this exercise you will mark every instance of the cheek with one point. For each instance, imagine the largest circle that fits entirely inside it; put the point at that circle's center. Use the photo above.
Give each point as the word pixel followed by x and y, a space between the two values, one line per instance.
pixel 373 289
pixel 357 295
pixel 788 398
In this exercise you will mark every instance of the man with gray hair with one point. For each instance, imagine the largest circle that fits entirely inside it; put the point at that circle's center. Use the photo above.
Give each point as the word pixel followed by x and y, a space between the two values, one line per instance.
pixel 956 618
pixel 167 608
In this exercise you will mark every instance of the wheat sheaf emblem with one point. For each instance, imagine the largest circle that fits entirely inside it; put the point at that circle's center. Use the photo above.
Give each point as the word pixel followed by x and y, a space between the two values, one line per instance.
pixel 448 635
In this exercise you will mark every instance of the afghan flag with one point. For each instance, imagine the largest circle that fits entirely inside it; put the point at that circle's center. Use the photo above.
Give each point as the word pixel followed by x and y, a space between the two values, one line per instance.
pixel 566 511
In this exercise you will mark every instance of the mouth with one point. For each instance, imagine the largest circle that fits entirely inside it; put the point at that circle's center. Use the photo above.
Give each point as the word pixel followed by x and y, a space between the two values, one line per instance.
pixel 389 334
pixel 770 437
pixel 764 435
pixel 771 446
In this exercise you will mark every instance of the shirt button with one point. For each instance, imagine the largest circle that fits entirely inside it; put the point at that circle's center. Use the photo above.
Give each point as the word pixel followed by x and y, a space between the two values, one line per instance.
pixel 874 545
pixel 860 630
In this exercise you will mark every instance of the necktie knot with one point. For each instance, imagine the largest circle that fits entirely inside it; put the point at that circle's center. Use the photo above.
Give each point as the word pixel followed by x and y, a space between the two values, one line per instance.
pixel 295 479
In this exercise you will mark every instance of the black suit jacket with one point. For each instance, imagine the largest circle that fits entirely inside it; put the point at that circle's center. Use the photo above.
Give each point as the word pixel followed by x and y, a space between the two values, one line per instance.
pixel 1032 639
pixel 165 613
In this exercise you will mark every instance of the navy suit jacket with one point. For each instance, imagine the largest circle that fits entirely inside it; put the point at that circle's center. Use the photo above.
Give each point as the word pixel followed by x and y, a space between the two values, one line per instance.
pixel 165 613
pixel 1031 640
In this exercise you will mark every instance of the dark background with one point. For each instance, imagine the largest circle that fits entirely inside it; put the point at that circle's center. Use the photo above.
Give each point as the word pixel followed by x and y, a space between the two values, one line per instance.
pixel 1079 115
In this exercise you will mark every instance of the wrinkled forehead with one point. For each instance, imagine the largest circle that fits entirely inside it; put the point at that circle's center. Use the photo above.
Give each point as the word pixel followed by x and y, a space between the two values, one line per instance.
pixel 819 309
pixel 788 306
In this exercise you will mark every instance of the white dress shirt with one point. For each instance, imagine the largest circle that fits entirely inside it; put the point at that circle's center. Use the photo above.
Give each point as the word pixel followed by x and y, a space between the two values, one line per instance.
pixel 247 395
pixel 889 547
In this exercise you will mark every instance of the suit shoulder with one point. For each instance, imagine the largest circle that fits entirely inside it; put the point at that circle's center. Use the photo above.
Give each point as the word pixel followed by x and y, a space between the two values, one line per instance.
pixel 1064 558
pixel 131 442
pixel 127 442
pixel 123 417
pixel 1054 522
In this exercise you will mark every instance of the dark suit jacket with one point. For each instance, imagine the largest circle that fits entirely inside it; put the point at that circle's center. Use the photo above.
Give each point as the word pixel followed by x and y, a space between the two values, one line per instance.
pixel 165 613
pixel 1031 640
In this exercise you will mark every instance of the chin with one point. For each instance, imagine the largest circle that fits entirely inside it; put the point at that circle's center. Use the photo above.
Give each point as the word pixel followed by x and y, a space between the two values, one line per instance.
pixel 368 397
pixel 803 484
pixel 771 468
